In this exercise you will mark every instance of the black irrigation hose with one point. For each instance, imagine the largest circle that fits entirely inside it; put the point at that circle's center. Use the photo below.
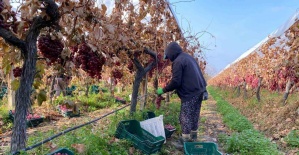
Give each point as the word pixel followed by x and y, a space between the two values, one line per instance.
pixel 68 130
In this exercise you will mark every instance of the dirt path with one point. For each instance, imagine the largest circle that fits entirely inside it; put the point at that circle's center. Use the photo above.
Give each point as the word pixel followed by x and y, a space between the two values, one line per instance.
pixel 211 124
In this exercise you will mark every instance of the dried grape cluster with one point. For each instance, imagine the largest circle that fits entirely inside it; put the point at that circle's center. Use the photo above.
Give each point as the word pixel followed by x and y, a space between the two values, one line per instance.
pixel 50 49
pixel 17 72
pixel 84 58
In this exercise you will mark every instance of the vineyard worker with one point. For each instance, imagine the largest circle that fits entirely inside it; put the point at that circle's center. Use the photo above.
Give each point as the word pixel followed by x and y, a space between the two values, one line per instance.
pixel 190 85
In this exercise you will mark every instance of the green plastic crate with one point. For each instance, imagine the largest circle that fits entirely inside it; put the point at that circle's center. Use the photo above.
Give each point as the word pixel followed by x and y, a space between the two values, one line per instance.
pixel 201 148
pixel 62 150
pixel 70 114
pixel 30 123
pixel 142 139
pixel 168 133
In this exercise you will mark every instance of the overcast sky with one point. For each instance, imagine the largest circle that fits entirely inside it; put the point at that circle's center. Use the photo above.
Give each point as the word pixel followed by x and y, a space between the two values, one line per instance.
pixel 235 25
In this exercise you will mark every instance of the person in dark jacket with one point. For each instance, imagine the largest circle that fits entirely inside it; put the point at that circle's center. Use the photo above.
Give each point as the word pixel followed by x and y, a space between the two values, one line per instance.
pixel 190 85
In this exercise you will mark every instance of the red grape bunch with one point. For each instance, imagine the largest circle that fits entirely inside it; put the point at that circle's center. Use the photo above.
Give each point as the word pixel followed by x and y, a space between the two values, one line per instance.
pixel 17 72
pixel 117 74
pixel 29 116
pixel 130 67
pixel 169 127
pixel 158 101
pixel 50 49
pixel 84 58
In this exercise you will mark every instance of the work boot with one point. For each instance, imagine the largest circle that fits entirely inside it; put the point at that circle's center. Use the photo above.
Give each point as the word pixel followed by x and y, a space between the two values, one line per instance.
pixel 179 144
pixel 193 136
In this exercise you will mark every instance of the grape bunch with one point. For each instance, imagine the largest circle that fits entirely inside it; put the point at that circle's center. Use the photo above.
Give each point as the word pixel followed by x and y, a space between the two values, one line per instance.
pixel 160 66
pixel 117 63
pixel 28 116
pixel 169 127
pixel 131 67
pixel 84 58
pixel 158 101
pixel 50 49
pixel 117 74
pixel 32 116
pixel 64 108
pixel 17 72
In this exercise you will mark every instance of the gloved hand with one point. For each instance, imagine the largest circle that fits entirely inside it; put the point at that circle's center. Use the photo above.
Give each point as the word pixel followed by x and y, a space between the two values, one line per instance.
pixel 160 91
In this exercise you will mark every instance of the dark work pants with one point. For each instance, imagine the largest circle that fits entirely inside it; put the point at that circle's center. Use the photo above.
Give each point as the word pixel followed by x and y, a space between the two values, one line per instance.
pixel 189 115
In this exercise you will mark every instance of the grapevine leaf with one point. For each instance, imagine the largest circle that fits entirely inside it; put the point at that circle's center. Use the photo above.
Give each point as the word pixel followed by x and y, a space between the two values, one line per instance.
pixel 15 84
pixel 37 83
pixel 104 9
pixel 41 97
pixel 6 65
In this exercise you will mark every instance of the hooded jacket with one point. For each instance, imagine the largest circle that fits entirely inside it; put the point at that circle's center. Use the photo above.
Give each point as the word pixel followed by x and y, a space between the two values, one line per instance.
pixel 187 78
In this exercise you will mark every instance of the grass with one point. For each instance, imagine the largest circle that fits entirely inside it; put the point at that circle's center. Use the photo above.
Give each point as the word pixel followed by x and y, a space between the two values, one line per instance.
pixel 245 140
pixel 292 138
pixel 98 138
pixel 4 116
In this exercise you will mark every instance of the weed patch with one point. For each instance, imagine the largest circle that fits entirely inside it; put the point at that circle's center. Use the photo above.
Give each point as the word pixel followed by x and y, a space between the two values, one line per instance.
pixel 245 140
pixel 293 138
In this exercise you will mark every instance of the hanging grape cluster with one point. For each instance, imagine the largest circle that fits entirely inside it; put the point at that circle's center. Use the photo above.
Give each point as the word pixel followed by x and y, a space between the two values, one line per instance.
pixel 17 72
pixel 50 49
pixel 158 101
pixel 130 67
pixel 84 58
pixel 117 74
pixel 160 66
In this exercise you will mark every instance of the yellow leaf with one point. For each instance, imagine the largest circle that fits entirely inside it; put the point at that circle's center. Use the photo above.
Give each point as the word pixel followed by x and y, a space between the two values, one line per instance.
pixel 6 48
pixel 15 84
pixel 40 67
pixel 41 97
pixel 104 9
pixel 37 83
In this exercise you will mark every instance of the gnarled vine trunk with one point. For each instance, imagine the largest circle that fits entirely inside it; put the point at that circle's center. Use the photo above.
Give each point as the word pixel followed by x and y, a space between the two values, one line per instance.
pixel 258 96
pixel 244 90
pixel 144 92
pixel 28 49
pixel 289 85
pixel 18 140
pixel 141 72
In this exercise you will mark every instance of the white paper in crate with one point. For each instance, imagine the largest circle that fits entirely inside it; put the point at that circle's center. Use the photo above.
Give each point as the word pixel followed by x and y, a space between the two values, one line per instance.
pixel 155 126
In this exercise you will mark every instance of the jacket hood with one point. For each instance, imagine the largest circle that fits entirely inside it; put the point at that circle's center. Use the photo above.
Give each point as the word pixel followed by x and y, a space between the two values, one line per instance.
pixel 172 51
